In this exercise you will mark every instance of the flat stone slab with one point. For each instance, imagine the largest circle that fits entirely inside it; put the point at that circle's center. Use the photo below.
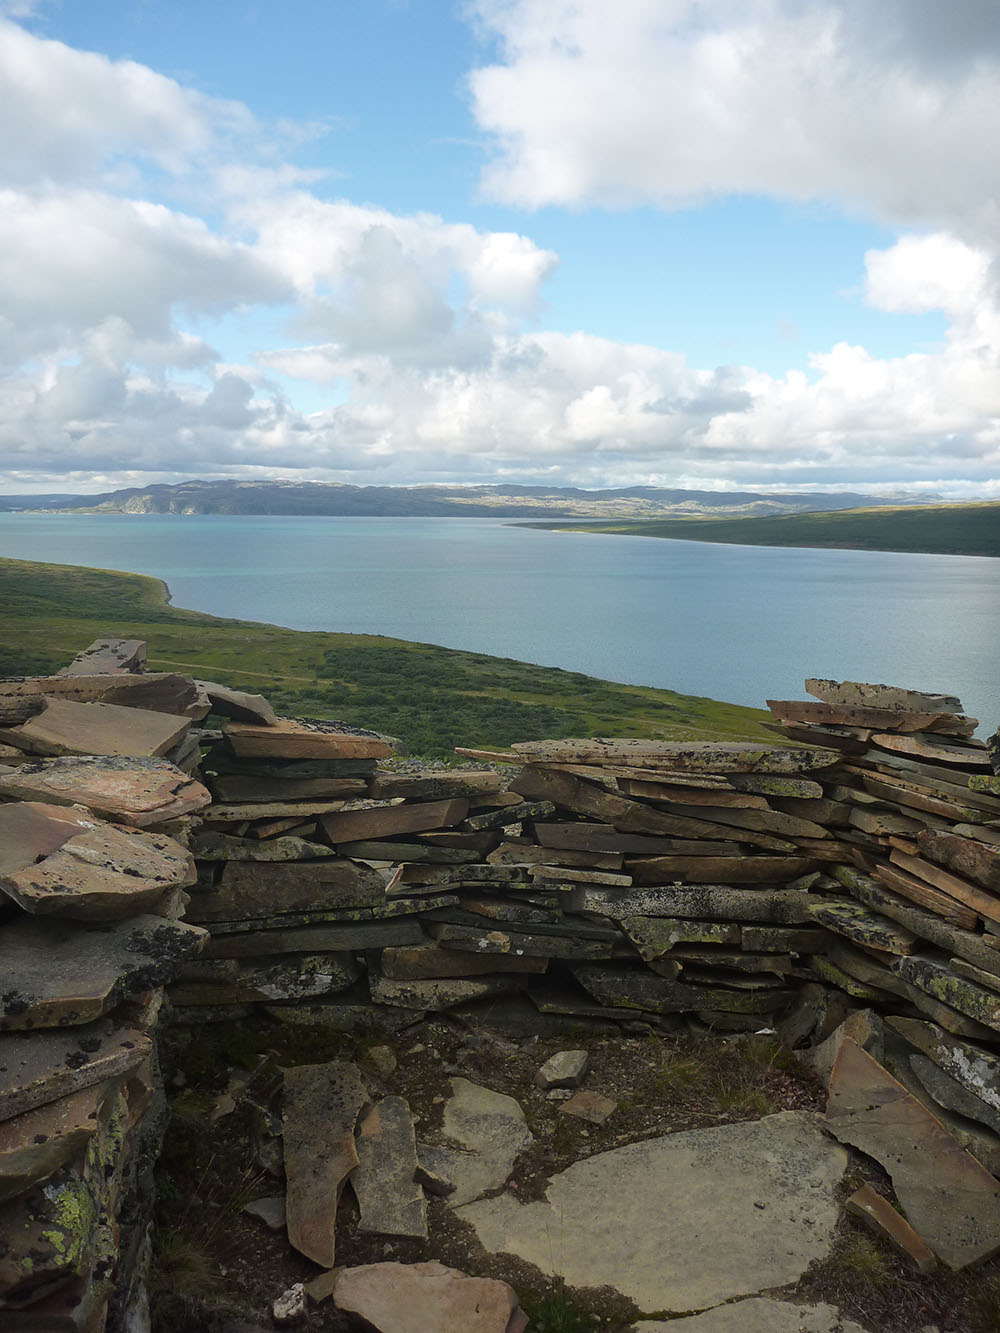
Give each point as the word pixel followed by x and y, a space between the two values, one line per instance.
pixel 66 727
pixel 391 1201
pixel 61 974
pixel 37 1068
pixel 322 1105
pixel 759 1314
pixel 709 757
pixel 427 1298
pixel 490 1129
pixel 38 1143
pixel 649 1219
pixel 208 845
pixel 565 1069
pixel 291 738
pixel 251 889
pixel 947 1197
pixel 127 790
pixel 299 977
pixel 237 704
pixel 85 869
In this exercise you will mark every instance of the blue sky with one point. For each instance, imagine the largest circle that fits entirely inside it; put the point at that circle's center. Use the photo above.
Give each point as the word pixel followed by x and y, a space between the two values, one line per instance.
pixel 713 244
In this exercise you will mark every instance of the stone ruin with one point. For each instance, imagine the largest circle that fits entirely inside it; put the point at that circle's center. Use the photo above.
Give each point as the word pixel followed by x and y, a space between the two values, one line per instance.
pixel 158 871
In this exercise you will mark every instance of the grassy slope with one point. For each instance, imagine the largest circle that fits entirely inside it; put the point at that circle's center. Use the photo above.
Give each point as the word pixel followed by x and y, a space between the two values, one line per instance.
pixel 433 698
pixel 941 529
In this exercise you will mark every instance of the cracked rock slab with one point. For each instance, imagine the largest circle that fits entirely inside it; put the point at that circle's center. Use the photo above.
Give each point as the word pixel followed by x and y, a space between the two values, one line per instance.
pixel 91 871
pixel 40 1067
pixel 647 1219
pixel 946 1196
pixel 322 1105
pixel 391 1201
pixel 760 1314
pixel 66 727
pixel 491 1131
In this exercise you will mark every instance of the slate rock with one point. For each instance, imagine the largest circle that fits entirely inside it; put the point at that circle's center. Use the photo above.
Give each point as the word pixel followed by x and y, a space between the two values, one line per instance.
pixel 39 1142
pixel 37 1068
pixel 208 845
pixel 565 1069
pixel 99 872
pixel 135 791
pixel 490 1131
pixel 649 1219
pixel 946 1196
pixel 59 974
pixel 759 1314
pixel 975 1068
pixel 321 1108
pixel 270 1210
pixel 389 1197
pixel 66 727
pixel 592 1106
pixel 880 1217
pixel 427 1298
pixel 949 1093
pixel 251 889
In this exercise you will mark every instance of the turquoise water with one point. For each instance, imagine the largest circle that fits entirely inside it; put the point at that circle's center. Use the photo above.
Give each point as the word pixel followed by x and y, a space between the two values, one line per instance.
pixel 741 623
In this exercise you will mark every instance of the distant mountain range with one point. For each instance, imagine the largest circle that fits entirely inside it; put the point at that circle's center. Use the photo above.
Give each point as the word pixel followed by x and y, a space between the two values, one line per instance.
pixel 321 498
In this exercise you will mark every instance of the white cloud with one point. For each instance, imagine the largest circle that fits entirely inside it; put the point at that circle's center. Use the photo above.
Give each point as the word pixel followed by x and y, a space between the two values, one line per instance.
pixel 887 108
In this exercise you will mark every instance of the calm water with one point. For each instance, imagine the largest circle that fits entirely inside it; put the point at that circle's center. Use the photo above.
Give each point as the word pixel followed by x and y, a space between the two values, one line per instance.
pixel 740 623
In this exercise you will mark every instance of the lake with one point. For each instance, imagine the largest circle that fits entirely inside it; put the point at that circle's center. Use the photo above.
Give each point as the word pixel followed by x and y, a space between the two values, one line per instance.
pixel 740 623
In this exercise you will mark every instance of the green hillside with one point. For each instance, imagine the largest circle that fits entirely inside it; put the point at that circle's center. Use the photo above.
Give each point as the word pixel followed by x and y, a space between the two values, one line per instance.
pixel 958 529
pixel 432 698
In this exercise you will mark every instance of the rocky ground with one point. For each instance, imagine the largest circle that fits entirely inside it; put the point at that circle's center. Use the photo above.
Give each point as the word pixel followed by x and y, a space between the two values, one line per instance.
pixel 219 1268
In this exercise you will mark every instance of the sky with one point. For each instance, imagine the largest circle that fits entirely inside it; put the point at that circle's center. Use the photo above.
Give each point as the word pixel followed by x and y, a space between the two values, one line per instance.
pixel 715 244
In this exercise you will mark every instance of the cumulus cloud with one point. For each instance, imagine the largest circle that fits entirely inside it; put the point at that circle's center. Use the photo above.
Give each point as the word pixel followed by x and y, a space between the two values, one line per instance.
pixel 885 108
pixel 424 333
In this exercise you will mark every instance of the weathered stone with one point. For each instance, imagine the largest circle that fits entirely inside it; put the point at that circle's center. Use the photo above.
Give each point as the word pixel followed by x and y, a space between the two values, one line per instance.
pixel 427 1298
pixel 865 927
pixel 66 727
pixel 890 788
pixel 41 1067
pixel 719 869
pixel 604 838
pixel 280 815
pixel 314 794
pixel 977 860
pixel 949 1199
pixel 881 1218
pixel 927 925
pixel 164 692
pixel 719 902
pixel 540 944
pixel 872 718
pixel 633 988
pixel 593 1107
pixel 925 895
pixel 428 961
pixel 296 738
pixel 126 790
pixel 784 939
pixel 979 900
pixel 565 1069
pixel 437 784
pixel 491 1131
pixel 250 889
pixel 976 1069
pixel 97 872
pixel 972 755
pixel 210 846
pixel 237 704
pixel 270 1210
pixel 656 935
pixel 655 1235
pixel 65 975
pixel 866 968
pixel 301 977
pixel 108 657
pixel 853 693
pixel 389 1197
pixel 760 1314
pixel 437 994
pixel 290 1307
pixel 758 821
pixel 863 1026
pixel 322 1105
pixel 380 821
pixel 39 1142
pixel 708 757
pixel 937 980
pixel 949 1093
pixel 335 938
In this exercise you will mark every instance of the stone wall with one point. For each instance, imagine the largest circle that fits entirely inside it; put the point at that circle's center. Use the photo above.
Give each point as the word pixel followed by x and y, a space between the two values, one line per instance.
pixel 155 869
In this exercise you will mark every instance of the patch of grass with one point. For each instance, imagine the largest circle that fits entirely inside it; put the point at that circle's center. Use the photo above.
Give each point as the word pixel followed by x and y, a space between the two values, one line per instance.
pixel 957 529
pixel 554 1312
pixel 431 698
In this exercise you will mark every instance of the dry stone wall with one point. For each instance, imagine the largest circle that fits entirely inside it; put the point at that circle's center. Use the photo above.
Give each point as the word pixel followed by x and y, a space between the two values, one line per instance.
pixel 154 869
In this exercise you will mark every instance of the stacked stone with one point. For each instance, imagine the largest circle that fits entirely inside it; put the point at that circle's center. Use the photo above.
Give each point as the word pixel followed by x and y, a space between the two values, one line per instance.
pixel 915 927
pixel 91 884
